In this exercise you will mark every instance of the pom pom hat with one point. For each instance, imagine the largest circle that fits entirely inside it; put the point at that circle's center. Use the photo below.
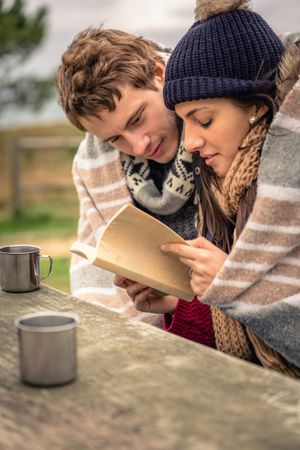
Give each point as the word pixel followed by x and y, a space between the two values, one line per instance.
pixel 229 51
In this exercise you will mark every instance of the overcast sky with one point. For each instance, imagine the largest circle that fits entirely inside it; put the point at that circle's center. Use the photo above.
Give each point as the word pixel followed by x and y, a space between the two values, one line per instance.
pixel 163 20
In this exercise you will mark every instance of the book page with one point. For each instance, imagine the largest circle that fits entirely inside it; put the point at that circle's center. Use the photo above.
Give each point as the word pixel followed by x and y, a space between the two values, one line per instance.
pixel 84 250
pixel 130 246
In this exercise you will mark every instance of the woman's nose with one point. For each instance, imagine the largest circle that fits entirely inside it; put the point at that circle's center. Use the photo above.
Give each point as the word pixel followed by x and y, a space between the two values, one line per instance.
pixel 193 143
pixel 193 140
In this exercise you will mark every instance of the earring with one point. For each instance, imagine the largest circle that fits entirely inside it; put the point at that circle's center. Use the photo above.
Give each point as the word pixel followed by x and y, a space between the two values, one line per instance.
pixel 252 120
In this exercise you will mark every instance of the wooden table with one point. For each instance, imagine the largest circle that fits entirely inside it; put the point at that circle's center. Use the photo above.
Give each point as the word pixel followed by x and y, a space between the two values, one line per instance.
pixel 140 388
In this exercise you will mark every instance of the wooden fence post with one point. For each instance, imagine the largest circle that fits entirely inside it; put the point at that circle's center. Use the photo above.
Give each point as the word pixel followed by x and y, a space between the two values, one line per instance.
pixel 15 147
pixel 14 154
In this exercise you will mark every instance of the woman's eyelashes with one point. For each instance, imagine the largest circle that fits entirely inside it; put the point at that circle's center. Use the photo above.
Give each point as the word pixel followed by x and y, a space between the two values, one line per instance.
pixel 205 123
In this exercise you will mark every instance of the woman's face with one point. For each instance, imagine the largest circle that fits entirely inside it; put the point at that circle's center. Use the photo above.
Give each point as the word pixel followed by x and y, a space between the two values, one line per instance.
pixel 215 128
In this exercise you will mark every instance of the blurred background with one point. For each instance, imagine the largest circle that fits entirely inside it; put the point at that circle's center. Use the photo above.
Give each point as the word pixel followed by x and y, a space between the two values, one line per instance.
pixel 38 204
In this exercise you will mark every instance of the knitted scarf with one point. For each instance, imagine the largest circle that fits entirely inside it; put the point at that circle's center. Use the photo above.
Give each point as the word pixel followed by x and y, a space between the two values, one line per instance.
pixel 231 337
pixel 177 189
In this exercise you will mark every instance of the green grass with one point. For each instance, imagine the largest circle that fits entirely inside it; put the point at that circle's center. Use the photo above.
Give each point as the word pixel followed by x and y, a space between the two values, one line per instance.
pixel 59 278
pixel 41 223
pixel 38 226
pixel 47 219
pixel 45 213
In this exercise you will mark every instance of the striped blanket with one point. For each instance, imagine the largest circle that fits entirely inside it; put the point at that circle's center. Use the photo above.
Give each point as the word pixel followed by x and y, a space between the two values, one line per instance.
pixel 259 285
pixel 102 190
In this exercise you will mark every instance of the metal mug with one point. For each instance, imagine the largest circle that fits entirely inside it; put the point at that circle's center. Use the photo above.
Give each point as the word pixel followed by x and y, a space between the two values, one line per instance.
pixel 47 348
pixel 20 268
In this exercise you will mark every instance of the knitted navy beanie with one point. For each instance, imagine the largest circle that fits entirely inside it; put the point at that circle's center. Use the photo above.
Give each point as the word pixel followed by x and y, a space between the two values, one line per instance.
pixel 230 51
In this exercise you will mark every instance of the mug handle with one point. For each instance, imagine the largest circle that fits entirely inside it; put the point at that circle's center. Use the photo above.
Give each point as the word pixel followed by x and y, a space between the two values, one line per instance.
pixel 50 267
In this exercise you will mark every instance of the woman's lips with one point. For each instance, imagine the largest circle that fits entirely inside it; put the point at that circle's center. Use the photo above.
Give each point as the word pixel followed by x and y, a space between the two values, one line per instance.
pixel 209 159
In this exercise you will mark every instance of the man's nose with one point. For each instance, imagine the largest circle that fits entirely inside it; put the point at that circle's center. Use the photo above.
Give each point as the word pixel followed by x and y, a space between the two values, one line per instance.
pixel 140 144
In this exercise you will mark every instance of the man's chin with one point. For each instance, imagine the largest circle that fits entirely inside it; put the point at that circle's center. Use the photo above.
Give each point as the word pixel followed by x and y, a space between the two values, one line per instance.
pixel 167 157
pixel 163 159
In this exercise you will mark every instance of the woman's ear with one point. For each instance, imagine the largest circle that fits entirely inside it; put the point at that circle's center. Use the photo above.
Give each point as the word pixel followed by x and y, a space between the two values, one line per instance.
pixel 261 110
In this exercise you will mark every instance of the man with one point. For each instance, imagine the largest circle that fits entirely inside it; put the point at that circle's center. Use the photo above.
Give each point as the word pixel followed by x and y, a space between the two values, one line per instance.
pixel 110 85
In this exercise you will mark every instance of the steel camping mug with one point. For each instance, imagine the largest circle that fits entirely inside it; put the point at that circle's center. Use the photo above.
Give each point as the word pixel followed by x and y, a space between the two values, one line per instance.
pixel 20 268
pixel 47 348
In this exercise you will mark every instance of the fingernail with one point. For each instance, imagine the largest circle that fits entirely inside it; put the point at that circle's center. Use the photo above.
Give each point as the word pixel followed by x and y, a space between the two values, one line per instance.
pixel 163 247
pixel 121 280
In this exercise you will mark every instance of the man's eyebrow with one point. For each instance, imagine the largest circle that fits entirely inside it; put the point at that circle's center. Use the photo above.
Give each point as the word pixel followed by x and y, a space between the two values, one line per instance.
pixel 133 115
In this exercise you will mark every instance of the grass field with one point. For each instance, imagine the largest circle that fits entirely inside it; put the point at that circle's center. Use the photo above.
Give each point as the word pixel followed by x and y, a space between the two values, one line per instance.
pixel 48 217
pixel 49 227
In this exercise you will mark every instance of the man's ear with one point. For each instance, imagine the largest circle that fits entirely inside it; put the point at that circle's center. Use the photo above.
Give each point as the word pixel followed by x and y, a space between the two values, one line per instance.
pixel 159 71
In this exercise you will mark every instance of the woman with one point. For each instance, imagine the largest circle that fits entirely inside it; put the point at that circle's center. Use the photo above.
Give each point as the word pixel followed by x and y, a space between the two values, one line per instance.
pixel 225 79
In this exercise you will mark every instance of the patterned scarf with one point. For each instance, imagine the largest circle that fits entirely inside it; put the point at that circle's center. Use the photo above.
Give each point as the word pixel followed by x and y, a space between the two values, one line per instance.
pixel 178 186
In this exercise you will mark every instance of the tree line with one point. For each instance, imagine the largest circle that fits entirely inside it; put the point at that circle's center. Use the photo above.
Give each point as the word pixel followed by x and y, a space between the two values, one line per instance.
pixel 20 35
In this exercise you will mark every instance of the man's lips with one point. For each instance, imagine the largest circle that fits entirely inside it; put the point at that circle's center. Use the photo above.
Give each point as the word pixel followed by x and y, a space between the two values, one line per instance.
pixel 156 152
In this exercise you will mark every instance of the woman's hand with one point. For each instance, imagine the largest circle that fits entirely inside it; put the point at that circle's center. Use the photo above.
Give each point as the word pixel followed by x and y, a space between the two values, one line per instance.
pixel 204 259
pixel 143 298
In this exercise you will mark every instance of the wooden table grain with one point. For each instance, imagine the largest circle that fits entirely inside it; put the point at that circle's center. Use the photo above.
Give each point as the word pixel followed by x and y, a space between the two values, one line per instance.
pixel 140 388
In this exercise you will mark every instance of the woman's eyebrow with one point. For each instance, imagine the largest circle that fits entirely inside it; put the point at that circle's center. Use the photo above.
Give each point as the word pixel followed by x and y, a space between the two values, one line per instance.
pixel 190 113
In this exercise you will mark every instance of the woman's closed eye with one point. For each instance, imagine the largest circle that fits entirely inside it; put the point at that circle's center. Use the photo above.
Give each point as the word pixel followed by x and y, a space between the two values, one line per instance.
pixel 205 123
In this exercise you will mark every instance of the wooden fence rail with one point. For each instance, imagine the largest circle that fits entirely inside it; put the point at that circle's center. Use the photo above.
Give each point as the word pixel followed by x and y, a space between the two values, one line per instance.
pixel 17 145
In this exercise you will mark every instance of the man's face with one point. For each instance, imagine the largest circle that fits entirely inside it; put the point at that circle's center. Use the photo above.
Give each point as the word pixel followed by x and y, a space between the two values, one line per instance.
pixel 140 125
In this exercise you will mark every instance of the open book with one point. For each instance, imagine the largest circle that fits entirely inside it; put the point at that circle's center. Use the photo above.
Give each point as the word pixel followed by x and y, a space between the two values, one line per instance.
pixel 130 247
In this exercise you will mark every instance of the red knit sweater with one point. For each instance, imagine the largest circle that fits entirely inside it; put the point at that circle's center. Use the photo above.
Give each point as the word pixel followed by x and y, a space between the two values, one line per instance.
pixel 192 320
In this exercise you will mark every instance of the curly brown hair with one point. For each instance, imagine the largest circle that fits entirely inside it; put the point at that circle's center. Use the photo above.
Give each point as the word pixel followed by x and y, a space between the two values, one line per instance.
pixel 95 66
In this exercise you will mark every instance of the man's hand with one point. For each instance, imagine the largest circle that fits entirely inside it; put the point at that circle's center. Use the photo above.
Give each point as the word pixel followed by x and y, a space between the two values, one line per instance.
pixel 143 298
pixel 204 259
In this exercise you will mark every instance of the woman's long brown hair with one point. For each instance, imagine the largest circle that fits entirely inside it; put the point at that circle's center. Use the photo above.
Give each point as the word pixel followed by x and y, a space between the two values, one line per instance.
pixel 215 222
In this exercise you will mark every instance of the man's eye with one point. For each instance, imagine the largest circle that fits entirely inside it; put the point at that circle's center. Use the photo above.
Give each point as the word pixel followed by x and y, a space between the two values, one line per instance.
pixel 114 139
pixel 136 120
